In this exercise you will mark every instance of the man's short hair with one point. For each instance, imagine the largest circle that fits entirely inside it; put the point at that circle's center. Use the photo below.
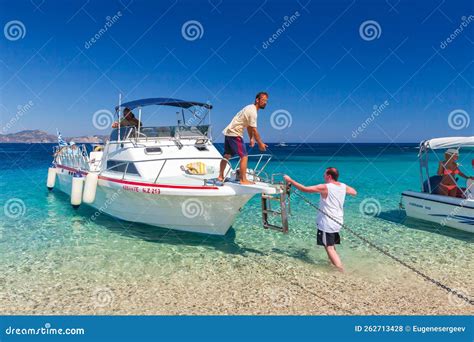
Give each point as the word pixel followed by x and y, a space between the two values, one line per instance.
pixel 261 94
pixel 333 172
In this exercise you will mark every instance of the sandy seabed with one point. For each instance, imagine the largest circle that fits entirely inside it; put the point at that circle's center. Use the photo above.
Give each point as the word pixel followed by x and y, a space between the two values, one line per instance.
pixel 233 285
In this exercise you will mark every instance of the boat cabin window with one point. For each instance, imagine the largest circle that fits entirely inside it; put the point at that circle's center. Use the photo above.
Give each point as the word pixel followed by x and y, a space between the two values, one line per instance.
pixel 121 166
pixel 131 169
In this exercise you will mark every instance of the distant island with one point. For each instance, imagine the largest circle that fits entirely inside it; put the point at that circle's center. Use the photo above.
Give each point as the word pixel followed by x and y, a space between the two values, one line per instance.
pixel 37 136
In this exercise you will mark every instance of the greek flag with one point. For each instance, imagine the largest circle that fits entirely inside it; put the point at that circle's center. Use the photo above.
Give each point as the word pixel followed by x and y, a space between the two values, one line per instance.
pixel 61 141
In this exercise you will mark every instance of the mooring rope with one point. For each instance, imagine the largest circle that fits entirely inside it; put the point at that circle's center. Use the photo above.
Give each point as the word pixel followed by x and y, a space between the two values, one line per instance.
pixel 385 252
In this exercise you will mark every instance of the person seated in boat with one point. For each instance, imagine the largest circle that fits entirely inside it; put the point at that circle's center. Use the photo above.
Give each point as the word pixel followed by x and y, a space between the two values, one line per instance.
pixel 449 169
pixel 234 144
pixel 331 211
pixel 128 119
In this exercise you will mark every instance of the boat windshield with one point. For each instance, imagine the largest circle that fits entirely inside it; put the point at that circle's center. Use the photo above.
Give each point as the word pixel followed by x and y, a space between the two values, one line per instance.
pixel 179 132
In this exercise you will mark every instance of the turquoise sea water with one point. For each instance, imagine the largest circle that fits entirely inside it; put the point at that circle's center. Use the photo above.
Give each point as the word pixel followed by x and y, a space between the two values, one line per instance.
pixel 39 230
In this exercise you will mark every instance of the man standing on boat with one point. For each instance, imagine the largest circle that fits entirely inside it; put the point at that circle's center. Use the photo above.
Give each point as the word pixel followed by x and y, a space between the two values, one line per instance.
pixel 234 133
pixel 331 215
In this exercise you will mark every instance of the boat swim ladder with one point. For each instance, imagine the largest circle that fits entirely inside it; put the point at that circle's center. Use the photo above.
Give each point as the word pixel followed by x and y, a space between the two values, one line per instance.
pixel 276 219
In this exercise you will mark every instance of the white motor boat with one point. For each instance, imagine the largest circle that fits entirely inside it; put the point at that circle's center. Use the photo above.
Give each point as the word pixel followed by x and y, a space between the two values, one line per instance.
pixel 427 204
pixel 162 176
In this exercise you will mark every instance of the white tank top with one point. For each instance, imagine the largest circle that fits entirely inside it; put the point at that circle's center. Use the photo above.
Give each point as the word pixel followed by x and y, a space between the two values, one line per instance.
pixel 332 205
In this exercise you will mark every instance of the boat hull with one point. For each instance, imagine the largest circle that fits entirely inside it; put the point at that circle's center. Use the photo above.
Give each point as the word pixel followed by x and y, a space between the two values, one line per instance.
pixel 187 210
pixel 452 212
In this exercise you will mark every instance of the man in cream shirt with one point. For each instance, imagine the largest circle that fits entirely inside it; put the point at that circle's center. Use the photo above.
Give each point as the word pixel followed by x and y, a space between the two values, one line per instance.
pixel 234 136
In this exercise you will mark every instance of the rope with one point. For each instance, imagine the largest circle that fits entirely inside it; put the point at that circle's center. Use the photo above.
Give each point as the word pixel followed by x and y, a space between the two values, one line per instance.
pixel 385 252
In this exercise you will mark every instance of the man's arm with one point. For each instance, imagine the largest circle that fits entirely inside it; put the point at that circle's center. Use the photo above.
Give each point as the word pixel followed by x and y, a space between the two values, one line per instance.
pixel 351 191
pixel 253 134
pixel 318 189
pixel 251 137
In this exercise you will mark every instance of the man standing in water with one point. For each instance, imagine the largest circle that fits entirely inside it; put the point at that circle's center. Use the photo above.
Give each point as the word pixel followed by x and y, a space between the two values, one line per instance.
pixel 234 133
pixel 331 203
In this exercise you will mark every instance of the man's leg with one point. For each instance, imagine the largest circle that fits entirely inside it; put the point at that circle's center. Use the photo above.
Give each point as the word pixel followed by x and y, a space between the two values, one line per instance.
pixel 243 171
pixel 222 167
pixel 334 257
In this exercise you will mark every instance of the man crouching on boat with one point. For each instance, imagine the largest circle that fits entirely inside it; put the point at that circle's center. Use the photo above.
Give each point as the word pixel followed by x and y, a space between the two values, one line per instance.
pixel 331 203
pixel 234 133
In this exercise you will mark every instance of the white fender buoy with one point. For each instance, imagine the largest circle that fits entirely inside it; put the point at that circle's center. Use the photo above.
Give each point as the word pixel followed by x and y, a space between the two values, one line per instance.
pixel 76 190
pixel 90 188
pixel 51 178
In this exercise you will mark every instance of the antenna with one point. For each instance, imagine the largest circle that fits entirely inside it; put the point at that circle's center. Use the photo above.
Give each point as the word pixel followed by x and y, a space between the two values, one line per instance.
pixel 210 124
pixel 119 111
pixel 139 121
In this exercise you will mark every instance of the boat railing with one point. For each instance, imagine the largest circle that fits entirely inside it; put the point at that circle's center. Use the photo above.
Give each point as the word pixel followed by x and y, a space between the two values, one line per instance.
pixel 123 167
pixel 262 161
pixel 75 156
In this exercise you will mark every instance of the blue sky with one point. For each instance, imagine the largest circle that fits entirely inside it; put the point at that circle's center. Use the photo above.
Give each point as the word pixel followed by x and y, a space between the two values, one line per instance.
pixel 321 71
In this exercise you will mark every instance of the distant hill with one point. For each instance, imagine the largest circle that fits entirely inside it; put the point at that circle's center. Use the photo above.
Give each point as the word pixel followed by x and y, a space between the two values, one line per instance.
pixel 38 136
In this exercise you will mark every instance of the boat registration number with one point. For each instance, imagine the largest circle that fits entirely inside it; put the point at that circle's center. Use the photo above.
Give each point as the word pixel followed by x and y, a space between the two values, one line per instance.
pixel 146 190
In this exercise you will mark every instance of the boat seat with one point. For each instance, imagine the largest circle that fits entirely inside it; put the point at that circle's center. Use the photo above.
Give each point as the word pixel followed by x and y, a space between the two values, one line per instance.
pixel 434 184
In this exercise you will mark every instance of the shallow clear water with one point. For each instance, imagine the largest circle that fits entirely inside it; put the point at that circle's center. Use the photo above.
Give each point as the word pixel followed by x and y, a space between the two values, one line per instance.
pixel 47 235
